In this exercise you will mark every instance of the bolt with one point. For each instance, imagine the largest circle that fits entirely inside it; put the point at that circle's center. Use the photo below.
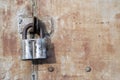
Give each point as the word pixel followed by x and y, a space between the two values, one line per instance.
pixel 50 69
pixel 88 69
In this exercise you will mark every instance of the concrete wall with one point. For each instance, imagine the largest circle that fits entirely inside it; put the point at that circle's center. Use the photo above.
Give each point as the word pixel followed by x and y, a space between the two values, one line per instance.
pixel 86 33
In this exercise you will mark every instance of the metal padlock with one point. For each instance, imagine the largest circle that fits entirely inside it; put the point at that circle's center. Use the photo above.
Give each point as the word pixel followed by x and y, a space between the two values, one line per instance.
pixel 33 48
pixel 27 44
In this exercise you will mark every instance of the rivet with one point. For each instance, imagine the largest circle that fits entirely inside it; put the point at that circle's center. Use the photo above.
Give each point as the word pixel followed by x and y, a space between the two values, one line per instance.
pixel 50 69
pixel 88 69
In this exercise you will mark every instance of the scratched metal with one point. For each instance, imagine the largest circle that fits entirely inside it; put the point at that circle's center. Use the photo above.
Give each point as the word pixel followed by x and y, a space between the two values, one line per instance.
pixel 86 34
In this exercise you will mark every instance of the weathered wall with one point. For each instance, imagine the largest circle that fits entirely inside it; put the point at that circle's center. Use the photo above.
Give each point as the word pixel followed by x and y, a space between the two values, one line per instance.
pixel 11 66
pixel 86 33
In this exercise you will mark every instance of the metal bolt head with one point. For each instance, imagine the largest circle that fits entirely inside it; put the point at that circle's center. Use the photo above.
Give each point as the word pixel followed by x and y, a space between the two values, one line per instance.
pixel 50 69
pixel 88 69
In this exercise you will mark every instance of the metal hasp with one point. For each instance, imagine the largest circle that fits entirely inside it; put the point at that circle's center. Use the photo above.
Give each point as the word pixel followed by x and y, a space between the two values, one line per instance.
pixel 33 48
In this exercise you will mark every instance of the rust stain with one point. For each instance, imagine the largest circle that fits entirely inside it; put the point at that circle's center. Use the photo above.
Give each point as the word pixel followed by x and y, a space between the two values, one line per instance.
pixel 14 69
pixel 19 2
pixel 97 64
pixel 110 48
pixel 86 48
pixel 9 44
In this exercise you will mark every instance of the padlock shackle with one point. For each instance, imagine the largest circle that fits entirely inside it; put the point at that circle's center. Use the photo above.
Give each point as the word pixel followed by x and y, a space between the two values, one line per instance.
pixel 25 29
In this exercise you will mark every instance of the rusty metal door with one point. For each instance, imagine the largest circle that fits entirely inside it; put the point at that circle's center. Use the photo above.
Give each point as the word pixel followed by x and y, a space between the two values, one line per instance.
pixel 85 39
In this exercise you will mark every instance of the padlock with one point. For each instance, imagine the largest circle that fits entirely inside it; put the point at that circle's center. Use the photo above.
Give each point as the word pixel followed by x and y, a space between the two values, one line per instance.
pixel 27 44
pixel 33 48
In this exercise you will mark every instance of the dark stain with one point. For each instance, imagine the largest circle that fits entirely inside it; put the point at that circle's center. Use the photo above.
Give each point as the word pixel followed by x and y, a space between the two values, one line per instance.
pixel 28 7
pixel 107 22
pixel 9 44
pixel 86 47
pixel 19 2
pixel 117 16
pixel 99 35
pixel 101 22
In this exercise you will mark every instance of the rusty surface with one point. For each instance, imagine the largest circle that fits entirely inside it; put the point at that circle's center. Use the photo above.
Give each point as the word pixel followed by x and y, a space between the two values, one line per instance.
pixel 86 33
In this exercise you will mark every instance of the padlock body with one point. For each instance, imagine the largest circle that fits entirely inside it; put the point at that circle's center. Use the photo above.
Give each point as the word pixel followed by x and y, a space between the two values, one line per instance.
pixel 34 49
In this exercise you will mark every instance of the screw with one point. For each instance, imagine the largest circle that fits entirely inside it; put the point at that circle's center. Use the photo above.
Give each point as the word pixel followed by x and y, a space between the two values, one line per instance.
pixel 88 69
pixel 50 69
